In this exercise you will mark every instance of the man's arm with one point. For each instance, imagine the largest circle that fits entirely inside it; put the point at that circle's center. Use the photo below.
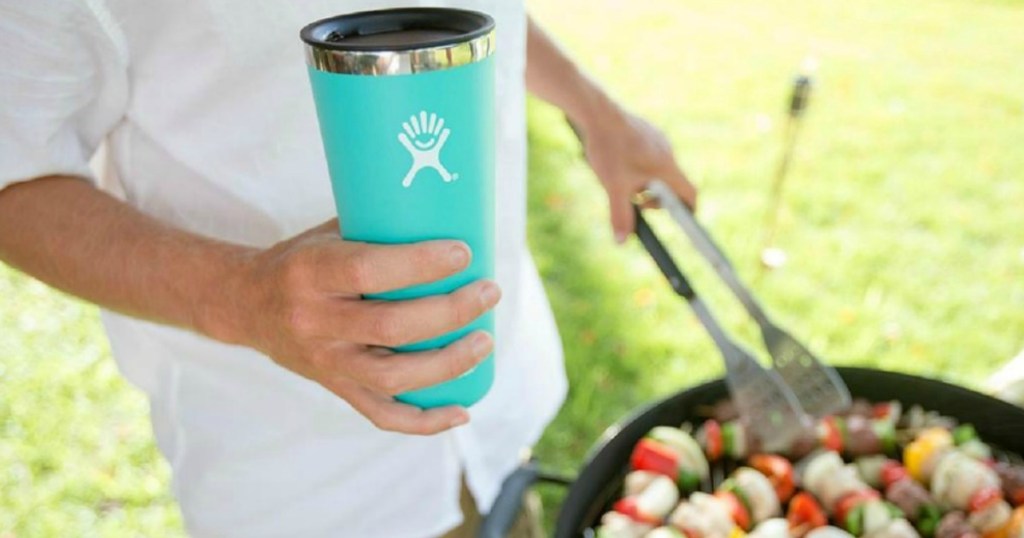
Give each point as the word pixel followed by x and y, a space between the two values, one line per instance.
pixel 68 234
pixel 625 151
pixel 298 301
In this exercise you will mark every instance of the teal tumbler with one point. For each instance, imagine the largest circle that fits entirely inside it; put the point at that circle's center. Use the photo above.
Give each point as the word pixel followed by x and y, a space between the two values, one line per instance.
pixel 405 101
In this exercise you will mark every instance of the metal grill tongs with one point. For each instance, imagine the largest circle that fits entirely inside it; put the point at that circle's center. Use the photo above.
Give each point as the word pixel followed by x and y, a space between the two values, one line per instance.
pixel 765 403
pixel 817 386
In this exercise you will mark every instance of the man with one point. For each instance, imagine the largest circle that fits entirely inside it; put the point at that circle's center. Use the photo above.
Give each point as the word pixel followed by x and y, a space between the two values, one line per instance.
pixel 232 303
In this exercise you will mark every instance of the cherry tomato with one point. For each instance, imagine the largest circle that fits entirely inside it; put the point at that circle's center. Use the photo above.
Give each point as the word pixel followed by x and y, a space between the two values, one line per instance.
pixel 805 514
pixel 778 470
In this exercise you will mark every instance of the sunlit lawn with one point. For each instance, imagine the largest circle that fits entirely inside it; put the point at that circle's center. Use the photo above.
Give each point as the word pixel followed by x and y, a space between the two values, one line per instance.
pixel 903 220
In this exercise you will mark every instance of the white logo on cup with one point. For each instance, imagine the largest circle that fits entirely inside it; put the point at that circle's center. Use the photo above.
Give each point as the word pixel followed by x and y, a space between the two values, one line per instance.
pixel 424 137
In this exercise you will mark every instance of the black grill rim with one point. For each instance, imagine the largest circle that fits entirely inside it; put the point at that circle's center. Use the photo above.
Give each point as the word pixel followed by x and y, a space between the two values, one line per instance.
pixel 997 422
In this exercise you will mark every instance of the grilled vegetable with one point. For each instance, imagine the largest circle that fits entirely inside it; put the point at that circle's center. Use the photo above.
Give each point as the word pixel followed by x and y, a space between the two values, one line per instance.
pixel 710 437
pixel 656 456
pixel 805 515
pixel 890 412
pixel 832 433
pixel 771 528
pixel 893 472
pixel 734 440
pixel 897 528
pixel 828 532
pixel 870 469
pixel 921 456
pixel 704 516
pixel 652 503
pixel 992 520
pixel 958 477
pixel 758 492
pixel 738 508
pixel 850 503
pixel 817 469
pixel 616 525
pixel 691 457
pixel 779 472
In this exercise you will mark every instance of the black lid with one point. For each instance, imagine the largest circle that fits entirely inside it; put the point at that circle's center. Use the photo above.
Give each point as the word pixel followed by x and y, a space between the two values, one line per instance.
pixel 437 27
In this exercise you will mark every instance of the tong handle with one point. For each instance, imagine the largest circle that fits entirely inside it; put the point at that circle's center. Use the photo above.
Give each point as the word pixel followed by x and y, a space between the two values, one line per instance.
pixel 661 257
pixel 707 247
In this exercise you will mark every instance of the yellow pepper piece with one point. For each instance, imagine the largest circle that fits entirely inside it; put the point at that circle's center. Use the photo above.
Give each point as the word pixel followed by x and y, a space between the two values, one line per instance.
pixel 921 449
pixel 737 533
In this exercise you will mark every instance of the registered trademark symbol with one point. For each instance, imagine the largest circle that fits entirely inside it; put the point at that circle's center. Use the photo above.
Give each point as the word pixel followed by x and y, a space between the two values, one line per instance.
pixel 455 176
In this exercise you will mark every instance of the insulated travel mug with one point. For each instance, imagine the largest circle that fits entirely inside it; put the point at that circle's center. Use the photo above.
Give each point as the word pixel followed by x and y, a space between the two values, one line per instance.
pixel 405 100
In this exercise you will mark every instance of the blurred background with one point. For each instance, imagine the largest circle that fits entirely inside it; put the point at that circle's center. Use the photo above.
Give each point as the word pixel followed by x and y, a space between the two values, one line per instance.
pixel 902 221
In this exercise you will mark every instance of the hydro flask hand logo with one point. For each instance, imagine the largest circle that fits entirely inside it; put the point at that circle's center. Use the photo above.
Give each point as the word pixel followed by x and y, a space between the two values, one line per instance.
pixel 424 137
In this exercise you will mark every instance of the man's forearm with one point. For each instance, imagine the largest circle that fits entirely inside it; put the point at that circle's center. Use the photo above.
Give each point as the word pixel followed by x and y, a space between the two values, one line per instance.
pixel 555 78
pixel 74 237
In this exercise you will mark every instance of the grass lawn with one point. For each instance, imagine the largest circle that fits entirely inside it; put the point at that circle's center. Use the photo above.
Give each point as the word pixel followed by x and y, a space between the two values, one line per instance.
pixel 903 222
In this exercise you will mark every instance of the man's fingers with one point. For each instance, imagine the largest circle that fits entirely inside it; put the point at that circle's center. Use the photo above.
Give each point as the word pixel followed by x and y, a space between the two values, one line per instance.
pixel 362 268
pixel 674 177
pixel 397 323
pixel 390 415
pixel 621 208
pixel 391 373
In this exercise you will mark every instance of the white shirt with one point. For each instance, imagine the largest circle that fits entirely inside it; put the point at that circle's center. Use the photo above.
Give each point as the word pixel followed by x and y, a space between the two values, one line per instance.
pixel 208 114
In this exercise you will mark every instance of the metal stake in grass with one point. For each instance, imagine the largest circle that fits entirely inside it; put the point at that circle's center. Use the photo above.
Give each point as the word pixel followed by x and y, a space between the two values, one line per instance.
pixel 772 257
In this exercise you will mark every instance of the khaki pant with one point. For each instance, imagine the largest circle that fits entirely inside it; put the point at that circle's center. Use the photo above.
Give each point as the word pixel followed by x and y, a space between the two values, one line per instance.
pixel 527 525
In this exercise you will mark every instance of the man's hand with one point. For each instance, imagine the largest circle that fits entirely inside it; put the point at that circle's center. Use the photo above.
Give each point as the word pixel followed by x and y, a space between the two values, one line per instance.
pixel 626 152
pixel 300 303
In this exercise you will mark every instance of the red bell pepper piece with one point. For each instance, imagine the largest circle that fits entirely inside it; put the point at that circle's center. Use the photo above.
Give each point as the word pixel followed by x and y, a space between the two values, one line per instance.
pixel 627 507
pixel 805 514
pixel 653 456
pixel 832 436
pixel 881 410
pixel 713 439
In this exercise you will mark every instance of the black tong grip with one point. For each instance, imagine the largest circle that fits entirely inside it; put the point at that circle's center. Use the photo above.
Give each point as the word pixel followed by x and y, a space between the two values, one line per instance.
pixel 661 256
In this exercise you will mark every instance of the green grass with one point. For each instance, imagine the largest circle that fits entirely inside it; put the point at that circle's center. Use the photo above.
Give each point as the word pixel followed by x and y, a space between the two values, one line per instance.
pixel 903 221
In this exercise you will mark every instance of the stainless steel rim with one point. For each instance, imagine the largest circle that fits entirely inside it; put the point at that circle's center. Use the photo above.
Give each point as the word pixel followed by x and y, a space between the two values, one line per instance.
pixel 406 62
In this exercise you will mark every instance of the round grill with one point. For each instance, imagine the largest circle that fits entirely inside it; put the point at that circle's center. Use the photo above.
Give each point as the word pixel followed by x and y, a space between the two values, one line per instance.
pixel 998 423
